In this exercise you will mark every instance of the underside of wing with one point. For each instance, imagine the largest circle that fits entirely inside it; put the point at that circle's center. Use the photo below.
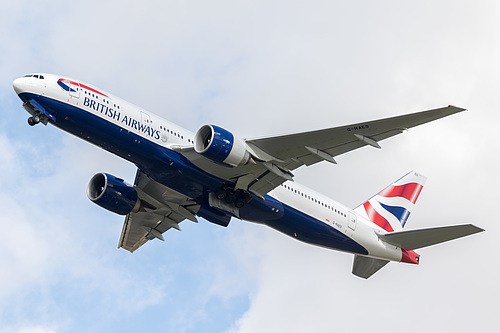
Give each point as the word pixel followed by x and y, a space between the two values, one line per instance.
pixel 274 158
pixel 292 151
pixel 161 210
pixel 324 145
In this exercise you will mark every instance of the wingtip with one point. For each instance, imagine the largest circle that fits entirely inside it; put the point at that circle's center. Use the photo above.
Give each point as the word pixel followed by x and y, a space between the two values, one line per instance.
pixel 476 228
pixel 459 109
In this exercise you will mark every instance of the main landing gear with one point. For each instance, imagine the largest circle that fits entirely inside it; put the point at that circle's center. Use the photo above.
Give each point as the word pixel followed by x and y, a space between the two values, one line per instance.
pixel 33 120
pixel 238 198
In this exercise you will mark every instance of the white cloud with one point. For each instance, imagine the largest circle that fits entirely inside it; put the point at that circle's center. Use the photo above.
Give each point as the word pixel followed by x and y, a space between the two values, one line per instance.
pixel 257 68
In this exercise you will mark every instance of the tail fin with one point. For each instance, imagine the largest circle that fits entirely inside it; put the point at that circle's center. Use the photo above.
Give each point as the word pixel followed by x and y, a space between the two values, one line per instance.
pixel 391 207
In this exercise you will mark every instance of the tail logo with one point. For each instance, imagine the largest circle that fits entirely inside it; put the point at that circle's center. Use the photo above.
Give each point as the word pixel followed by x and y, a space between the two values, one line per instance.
pixel 391 207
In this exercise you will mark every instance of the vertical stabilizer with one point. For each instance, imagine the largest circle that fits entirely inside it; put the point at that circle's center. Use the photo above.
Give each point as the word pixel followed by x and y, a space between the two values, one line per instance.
pixel 391 207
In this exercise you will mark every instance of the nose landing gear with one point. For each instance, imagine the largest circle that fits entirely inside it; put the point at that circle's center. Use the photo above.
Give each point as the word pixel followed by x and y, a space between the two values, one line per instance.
pixel 32 121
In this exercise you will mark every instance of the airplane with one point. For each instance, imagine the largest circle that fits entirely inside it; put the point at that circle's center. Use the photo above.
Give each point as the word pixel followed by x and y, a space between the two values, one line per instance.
pixel 215 175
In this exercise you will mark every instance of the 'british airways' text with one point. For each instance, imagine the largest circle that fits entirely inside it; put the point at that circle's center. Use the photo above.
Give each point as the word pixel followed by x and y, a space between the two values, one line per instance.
pixel 116 115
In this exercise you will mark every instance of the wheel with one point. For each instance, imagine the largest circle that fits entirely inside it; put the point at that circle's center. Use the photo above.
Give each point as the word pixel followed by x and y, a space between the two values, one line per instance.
pixel 239 203
pixel 31 121
pixel 231 198
pixel 220 194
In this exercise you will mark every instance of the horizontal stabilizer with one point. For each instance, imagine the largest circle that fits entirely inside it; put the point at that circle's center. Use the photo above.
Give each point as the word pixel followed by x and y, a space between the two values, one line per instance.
pixel 365 267
pixel 416 239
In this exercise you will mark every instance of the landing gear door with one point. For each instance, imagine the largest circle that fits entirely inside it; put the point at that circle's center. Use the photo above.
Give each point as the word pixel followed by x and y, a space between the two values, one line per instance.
pixel 352 221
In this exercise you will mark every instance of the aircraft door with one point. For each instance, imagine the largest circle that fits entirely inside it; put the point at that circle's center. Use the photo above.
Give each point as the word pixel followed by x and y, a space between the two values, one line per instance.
pixel 74 89
pixel 145 123
pixel 352 221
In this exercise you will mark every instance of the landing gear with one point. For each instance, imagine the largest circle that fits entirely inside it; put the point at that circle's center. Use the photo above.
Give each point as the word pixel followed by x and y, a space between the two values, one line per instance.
pixel 220 194
pixel 229 195
pixel 239 203
pixel 32 121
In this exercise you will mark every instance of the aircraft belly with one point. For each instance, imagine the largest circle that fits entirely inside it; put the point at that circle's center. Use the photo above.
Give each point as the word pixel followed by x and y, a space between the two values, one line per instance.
pixel 298 225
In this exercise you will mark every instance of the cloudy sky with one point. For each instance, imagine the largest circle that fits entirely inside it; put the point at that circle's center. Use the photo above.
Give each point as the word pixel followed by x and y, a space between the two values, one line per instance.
pixel 257 68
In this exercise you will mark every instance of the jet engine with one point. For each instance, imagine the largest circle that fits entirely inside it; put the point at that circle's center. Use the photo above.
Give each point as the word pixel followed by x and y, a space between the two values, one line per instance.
pixel 113 194
pixel 221 146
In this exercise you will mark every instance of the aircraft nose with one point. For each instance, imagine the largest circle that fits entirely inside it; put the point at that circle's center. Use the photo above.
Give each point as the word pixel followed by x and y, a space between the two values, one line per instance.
pixel 19 85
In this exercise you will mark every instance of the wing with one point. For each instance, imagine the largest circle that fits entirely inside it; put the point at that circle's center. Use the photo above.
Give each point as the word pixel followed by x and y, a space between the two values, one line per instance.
pixel 278 156
pixel 312 147
pixel 162 209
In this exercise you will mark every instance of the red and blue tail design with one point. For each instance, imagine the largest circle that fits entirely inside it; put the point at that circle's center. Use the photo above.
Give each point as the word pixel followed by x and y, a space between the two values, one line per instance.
pixel 391 207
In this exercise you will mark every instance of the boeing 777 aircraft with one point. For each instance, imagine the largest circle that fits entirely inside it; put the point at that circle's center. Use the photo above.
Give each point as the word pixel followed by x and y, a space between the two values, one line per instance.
pixel 216 175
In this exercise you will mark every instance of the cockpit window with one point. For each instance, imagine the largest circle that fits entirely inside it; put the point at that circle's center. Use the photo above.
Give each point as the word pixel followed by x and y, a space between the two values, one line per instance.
pixel 35 75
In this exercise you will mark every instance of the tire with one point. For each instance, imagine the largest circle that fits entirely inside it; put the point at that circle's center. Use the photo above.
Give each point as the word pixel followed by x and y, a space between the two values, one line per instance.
pixel 239 203
pixel 231 198
pixel 221 194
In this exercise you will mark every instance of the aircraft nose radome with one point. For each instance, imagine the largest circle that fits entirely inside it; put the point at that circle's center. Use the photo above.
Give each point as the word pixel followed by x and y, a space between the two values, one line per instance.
pixel 19 85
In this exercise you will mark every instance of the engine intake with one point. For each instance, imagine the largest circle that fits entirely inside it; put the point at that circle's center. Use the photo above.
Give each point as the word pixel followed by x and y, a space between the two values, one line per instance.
pixel 221 146
pixel 113 194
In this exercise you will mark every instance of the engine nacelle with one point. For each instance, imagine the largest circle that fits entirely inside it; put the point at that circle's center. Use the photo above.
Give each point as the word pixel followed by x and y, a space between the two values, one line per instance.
pixel 113 194
pixel 221 146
